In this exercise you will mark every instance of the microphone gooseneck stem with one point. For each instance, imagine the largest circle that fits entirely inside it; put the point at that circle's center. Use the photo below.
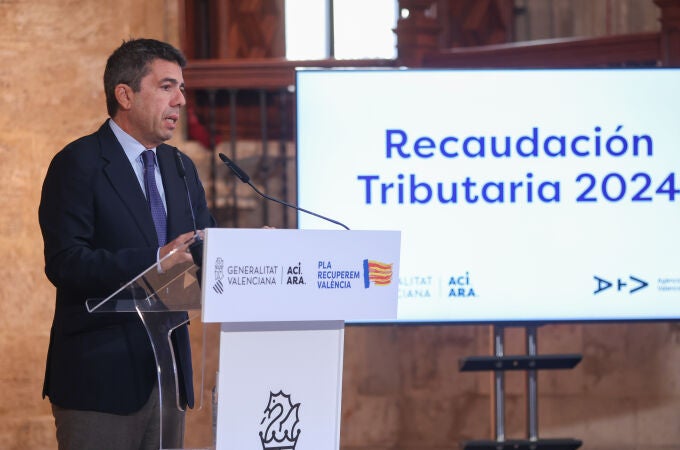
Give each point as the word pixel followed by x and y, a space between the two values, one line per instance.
pixel 191 206
pixel 196 247
pixel 181 171
pixel 241 175
pixel 296 207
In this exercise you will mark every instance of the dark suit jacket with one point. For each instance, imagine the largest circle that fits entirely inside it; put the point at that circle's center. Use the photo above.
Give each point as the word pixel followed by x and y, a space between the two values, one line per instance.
pixel 98 234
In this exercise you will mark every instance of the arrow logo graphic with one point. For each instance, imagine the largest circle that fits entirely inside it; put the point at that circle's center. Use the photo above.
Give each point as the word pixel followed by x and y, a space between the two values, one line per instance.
pixel 603 285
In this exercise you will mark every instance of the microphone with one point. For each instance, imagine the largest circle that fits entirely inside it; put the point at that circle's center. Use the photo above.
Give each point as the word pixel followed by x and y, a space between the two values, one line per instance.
pixel 196 247
pixel 246 179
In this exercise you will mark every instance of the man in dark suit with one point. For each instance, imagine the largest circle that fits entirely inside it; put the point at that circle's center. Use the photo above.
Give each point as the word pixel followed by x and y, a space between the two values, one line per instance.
pixel 99 232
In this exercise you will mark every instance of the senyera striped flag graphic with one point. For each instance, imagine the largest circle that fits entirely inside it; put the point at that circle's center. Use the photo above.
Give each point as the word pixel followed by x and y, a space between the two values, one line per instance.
pixel 379 273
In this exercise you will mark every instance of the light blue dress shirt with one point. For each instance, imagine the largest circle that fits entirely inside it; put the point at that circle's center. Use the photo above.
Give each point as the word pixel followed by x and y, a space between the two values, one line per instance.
pixel 133 150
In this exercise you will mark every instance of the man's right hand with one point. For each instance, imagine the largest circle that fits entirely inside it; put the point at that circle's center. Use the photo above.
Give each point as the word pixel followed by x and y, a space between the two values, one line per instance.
pixel 181 255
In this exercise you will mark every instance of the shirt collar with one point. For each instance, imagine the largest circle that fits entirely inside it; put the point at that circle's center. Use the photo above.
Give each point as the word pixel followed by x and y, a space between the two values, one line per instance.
pixel 132 148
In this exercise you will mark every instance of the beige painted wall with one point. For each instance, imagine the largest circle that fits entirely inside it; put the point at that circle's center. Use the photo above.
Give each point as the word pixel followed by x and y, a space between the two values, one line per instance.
pixel 402 387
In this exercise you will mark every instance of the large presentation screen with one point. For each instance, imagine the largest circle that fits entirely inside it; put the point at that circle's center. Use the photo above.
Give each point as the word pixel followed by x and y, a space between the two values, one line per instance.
pixel 521 195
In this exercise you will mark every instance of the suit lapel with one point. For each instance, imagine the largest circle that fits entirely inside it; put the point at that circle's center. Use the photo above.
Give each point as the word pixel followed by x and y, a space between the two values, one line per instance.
pixel 125 183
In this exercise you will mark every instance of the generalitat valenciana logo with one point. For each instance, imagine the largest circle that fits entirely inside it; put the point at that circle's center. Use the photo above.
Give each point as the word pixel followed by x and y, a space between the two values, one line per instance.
pixel 279 428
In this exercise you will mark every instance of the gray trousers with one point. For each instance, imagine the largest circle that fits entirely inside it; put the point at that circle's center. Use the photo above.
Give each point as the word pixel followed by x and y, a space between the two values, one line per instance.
pixel 91 430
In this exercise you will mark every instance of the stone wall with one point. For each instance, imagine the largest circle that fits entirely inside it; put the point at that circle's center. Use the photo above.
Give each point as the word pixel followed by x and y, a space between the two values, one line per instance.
pixel 401 387
pixel 53 55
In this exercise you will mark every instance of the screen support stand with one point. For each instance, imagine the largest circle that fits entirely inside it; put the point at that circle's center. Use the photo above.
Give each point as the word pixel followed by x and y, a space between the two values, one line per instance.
pixel 499 384
pixel 532 385
pixel 531 362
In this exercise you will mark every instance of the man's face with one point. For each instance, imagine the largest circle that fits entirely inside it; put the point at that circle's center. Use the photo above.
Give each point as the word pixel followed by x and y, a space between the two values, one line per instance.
pixel 154 110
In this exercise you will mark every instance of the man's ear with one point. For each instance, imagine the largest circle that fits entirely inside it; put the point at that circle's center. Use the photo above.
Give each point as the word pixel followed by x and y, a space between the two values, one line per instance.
pixel 124 96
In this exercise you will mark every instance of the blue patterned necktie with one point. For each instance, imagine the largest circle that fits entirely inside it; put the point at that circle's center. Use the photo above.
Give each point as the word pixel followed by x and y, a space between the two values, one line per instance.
pixel 154 197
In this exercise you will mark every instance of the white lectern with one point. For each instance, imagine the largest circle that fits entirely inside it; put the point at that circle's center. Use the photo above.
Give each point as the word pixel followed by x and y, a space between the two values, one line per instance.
pixel 282 297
